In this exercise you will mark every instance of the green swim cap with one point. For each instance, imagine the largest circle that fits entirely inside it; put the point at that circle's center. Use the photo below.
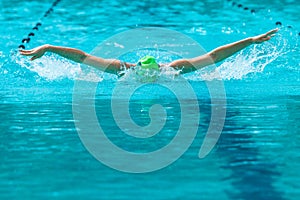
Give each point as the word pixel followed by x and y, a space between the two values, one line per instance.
pixel 148 62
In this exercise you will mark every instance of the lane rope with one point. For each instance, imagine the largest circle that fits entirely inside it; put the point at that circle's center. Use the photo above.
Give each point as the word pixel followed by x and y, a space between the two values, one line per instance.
pixel 253 11
pixel 27 39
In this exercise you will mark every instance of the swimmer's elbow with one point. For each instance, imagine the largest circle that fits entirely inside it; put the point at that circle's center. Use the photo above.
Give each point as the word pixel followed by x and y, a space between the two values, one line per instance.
pixel 214 56
pixel 83 57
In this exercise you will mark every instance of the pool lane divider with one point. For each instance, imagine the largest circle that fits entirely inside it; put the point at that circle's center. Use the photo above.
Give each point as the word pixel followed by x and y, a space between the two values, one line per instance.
pixel 38 25
pixel 253 11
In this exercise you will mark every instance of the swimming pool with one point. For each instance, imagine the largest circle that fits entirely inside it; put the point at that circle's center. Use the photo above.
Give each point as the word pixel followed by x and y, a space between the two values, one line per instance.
pixel 256 157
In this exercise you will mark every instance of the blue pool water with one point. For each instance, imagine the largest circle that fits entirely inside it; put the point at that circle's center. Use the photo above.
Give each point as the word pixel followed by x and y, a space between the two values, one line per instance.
pixel 257 155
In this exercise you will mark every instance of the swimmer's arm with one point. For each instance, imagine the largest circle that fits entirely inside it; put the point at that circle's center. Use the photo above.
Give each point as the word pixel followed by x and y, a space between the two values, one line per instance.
pixel 112 66
pixel 220 53
pixel 108 65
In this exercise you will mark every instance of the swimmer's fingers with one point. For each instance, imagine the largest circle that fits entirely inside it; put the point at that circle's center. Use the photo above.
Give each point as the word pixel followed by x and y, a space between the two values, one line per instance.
pixel 264 37
pixel 26 52
pixel 271 32
pixel 29 53
pixel 35 53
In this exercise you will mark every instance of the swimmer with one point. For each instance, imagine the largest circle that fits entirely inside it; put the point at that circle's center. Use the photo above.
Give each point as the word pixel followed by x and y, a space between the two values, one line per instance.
pixel 115 66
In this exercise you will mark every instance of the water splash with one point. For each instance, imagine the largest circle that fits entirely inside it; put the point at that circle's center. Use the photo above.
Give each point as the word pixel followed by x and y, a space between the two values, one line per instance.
pixel 249 61
pixel 54 68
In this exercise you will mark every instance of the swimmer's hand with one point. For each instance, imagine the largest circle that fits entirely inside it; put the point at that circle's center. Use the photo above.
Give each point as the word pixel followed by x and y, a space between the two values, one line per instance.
pixel 264 37
pixel 35 53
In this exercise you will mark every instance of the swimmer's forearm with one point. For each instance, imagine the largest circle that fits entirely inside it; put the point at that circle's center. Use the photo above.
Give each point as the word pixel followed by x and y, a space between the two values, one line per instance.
pixel 75 55
pixel 228 50
pixel 216 55
pixel 107 65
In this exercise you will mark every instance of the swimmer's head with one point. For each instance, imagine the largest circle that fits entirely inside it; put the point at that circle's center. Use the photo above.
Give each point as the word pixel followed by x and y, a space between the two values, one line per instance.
pixel 148 62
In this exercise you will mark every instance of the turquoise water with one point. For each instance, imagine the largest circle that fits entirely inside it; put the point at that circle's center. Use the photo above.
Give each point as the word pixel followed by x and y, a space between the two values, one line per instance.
pixel 257 155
